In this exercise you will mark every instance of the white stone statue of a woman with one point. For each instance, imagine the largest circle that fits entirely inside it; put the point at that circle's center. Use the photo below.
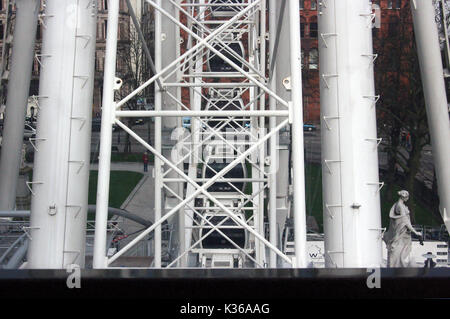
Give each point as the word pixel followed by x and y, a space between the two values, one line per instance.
pixel 398 237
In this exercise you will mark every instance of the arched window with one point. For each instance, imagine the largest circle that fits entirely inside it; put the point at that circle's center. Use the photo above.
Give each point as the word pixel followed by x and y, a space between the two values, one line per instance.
pixel 313 4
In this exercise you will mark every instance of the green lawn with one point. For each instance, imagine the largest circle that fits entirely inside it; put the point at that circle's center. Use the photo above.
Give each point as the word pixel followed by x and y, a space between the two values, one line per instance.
pixel 313 184
pixel 121 185
pixel 313 177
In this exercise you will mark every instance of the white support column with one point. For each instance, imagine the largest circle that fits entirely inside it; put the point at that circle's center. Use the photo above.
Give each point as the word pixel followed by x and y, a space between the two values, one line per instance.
pixel 256 192
pixel 108 108
pixel 351 199
pixel 297 136
pixel 429 52
pixel 61 166
pixel 17 99
pixel 158 138
pixel 280 73
pixel 179 147
pixel 262 129
pixel 273 140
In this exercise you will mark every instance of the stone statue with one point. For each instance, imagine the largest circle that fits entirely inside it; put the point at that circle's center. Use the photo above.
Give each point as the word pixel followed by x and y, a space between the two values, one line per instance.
pixel 398 237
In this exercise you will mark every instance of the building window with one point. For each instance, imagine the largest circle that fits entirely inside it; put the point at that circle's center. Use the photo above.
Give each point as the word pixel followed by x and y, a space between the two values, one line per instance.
pixel 121 5
pixel 313 59
pixel 105 29
pixel 303 57
pixel 36 68
pixel 393 26
pixel 100 61
pixel 302 30
pixel 302 4
pixel 123 31
pixel 375 32
pixel 397 4
pixel 313 4
pixel 38 32
pixel 389 6
pixel 313 30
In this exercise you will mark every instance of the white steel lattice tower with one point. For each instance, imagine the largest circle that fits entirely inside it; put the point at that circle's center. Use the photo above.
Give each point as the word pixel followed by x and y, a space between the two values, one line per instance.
pixel 351 199
pixel 62 145
pixel 211 70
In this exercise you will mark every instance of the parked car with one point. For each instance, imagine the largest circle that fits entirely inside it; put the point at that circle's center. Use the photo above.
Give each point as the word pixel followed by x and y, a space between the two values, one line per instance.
pixel 309 127
pixel 186 122
pixel 139 122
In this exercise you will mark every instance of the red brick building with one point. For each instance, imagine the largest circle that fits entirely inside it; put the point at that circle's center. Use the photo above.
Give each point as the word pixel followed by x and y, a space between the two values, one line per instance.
pixel 310 60
pixel 388 11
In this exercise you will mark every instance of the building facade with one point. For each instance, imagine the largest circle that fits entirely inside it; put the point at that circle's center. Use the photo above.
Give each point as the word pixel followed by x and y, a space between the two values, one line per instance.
pixel 389 12
pixel 102 26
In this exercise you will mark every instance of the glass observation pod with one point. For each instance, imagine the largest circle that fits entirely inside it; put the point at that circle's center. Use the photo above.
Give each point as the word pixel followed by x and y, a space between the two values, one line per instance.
pixel 226 10
pixel 229 227
pixel 224 104
pixel 217 64
pixel 215 164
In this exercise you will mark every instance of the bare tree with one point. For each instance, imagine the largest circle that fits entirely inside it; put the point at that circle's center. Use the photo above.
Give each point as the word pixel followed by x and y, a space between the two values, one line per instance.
pixel 401 106
pixel 133 67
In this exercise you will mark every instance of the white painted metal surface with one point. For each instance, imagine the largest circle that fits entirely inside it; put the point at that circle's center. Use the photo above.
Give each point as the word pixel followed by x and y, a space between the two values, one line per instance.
pixel 428 47
pixel 208 120
pixel 17 99
pixel 351 199
pixel 61 167
pixel 349 143
pixel 298 167
pixel 273 141
pixel 104 161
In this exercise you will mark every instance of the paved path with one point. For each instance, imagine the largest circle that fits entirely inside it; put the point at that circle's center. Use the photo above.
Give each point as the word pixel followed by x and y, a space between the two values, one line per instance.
pixel 124 166
pixel 140 202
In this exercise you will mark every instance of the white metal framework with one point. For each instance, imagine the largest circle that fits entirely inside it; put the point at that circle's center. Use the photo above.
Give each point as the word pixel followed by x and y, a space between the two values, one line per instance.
pixel 228 148
pixel 211 66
